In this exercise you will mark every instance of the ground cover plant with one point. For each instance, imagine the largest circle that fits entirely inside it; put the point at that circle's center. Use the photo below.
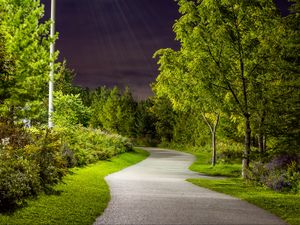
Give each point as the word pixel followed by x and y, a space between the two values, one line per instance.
pixel 81 197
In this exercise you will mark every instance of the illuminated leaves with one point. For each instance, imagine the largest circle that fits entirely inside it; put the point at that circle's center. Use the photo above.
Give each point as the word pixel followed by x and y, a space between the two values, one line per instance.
pixel 25 43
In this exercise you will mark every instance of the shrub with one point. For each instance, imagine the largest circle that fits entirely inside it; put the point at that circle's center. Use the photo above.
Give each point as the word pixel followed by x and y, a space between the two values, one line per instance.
pixel 33 160
pixel 46 151
pixel 282 173
pixel 229 151
pixel 14 135
pixel 29 166
pixel 258 173
pixel 19 179
pixel 87 145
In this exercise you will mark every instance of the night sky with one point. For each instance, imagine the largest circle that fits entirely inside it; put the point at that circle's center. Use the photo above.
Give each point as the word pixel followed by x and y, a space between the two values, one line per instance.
pixel 111 42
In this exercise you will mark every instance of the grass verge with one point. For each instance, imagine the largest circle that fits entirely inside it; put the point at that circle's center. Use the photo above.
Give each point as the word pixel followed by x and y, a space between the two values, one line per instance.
pixel 202 165
pixel 286 206
pixel 203 161
pixel 81 198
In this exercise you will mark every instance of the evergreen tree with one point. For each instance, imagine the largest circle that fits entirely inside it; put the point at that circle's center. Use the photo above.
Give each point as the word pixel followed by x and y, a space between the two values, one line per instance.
pixel 25 59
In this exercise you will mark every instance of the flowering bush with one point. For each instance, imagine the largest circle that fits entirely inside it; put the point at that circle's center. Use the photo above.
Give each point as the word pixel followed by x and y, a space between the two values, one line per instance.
pixel 282 173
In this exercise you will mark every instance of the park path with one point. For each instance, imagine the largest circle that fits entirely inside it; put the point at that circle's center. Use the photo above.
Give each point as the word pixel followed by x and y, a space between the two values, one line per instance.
pixel 154 191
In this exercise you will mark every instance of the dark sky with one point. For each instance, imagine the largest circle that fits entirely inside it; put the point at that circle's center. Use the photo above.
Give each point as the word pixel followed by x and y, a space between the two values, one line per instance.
pixel 111 42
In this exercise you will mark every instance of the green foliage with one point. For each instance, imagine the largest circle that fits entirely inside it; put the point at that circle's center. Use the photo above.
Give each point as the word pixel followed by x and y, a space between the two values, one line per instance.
pixel 30 161
pixel 145 131
pixel 99 97
pixel 33 160
pixel 83 196
pixel 69 110
pixel 165 116
pixel 46 152
pixel 85 145
pixel 126 114
pixel 19 179
pixel 281 174
pixel 223 168
pixel 63 83
pixel 14 135
pixel 25 60
pixel 114 111
pixel 230 151
pixel 240 58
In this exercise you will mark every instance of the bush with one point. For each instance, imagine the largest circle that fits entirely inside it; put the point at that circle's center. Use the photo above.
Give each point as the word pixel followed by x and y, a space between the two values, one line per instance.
pixel 282 173
pixel 19 179
pixel 33 160
pixel 86 145
pixel 229 151
pixel 46 151
pixel 30 161
pixel 13 135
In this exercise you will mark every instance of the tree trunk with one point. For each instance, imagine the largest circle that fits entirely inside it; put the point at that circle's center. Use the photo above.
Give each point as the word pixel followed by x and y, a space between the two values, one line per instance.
pixel 261 144
pixel 213 130
pixel 264 143
pixel 261 135
pixel 214 150
pixel 247 146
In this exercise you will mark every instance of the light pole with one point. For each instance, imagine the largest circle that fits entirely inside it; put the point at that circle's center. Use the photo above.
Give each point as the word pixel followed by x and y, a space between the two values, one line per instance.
pixel 52 49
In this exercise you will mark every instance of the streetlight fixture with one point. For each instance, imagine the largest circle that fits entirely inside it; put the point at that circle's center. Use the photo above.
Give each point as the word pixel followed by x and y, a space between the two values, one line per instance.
pixel 52 50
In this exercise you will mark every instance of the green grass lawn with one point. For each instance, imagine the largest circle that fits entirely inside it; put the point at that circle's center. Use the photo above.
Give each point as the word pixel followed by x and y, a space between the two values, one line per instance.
pixel 286 206
pixel 83 196
pixel 202 165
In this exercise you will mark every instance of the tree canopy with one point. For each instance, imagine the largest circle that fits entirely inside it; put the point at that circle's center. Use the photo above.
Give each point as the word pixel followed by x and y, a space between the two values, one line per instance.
pixel 25 59
pixel 233 58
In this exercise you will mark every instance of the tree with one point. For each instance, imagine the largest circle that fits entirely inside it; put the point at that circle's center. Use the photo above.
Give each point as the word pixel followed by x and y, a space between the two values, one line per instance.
pixel 164 118
pixel 110 110
pixel 69 110
pixel 99 97
pixel 25 59
pixel 286 102
pixel 145 121
pixel 212 121
pixel 224 48
pixel 127 114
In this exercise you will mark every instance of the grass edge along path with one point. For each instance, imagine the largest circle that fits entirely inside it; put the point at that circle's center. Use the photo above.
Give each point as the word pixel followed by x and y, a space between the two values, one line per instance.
pixel 285 206
pixel 203 165
pixel 83 196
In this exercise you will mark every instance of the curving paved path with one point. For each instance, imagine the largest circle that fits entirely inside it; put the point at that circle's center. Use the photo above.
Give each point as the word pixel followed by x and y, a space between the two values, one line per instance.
pixel 154 191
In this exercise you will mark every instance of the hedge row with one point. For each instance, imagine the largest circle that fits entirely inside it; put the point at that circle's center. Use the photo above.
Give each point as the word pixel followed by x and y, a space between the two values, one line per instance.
pixel 33 160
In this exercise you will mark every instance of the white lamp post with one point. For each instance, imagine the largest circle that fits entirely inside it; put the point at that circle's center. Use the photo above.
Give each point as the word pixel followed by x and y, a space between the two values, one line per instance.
pixel 52 49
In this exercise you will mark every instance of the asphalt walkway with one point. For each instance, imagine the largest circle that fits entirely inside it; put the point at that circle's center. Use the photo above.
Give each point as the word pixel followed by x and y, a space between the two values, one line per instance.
pixel 154 191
